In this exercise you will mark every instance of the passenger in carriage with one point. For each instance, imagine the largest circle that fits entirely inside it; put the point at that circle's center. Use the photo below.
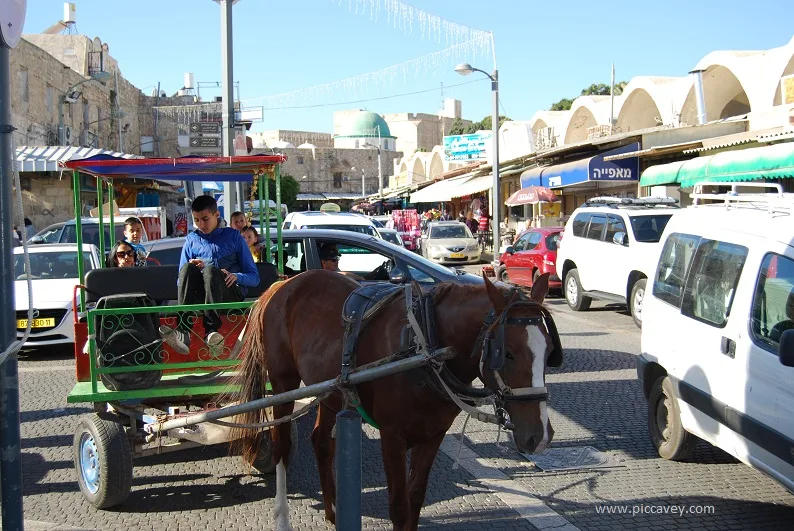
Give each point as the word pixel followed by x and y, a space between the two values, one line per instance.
pixel 133 231
pixel 238 222
pixel 122 255
pixel 216 266
pixel 252 239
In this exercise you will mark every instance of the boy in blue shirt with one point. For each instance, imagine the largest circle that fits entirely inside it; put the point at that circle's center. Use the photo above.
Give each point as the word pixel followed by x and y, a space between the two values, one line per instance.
pixel 216 266
pixel 133 231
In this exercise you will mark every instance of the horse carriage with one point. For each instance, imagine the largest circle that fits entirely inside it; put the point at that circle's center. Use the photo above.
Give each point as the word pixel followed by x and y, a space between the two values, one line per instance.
pixel 424 345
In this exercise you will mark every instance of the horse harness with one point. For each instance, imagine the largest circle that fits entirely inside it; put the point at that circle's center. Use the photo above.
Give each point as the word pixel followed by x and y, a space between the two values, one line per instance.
pixel 419 337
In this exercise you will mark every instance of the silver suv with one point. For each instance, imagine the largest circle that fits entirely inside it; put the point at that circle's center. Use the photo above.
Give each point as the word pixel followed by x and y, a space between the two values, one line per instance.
pixel 609 248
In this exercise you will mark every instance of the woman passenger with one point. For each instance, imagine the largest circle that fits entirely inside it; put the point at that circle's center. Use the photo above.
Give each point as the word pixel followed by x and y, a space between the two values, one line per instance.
pixel 252 238
pixel 122 255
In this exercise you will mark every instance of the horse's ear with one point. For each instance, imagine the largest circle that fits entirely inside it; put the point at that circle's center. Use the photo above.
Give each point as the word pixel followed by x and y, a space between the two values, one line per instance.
pixel 497 299
pixel 540 288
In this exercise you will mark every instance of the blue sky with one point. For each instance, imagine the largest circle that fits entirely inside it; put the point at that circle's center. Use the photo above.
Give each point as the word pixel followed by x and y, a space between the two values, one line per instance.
pixel 544 50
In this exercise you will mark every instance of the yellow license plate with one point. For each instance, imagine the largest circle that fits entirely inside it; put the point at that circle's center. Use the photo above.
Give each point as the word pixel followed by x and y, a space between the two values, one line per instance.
pixel 37 323
pixel 456 255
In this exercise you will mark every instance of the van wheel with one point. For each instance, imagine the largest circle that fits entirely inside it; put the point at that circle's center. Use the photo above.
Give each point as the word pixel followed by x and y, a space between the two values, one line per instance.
pixel 573 292
pixel 636 299
pixel 668 436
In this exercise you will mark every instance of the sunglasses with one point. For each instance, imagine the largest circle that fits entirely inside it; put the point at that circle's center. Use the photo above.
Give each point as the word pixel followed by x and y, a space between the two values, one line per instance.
pixel 125 254
pixel 331 259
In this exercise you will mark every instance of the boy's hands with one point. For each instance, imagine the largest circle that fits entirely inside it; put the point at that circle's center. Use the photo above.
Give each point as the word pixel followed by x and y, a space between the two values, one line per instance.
pixel 230 278
pixel 198 262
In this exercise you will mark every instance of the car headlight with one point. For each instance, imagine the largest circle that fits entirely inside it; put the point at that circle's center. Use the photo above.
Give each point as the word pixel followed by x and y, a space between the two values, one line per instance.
pixel 473 247
pixel 436 249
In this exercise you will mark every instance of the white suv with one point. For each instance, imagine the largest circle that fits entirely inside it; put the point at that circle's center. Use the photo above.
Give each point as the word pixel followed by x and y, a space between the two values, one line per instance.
pixel 608 249
pixel 717 356
pixel 330 220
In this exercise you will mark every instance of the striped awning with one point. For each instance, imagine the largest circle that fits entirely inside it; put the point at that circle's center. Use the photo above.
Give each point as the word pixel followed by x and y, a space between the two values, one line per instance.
pixel 47 158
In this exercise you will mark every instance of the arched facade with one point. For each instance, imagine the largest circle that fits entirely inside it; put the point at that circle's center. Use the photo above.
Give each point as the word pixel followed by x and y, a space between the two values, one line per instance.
pixel 417 169
pixel 587 112
pixel 725 96
pixel 436 165
pixel 557 120
pixel 786 54
pixel 650 102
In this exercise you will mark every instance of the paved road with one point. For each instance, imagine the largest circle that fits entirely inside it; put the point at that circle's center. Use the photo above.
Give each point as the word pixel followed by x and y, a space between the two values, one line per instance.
pixel 595 402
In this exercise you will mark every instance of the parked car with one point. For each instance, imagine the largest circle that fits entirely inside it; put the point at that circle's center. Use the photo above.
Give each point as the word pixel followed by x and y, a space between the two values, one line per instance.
pixel 368 256
pixel 165 251
pixel 532 254
pixel 391 236
pixel 53 272
pixel 450 242
pixel 609 248
pixel 66 232
pixel 717 358
pixel 348 221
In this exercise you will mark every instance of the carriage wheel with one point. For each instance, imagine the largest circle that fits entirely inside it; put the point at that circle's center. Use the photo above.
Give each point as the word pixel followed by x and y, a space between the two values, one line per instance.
pixel 264 456
pixel 102 460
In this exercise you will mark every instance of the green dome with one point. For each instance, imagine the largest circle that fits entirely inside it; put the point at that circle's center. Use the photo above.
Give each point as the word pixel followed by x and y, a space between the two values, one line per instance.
pixel 365 124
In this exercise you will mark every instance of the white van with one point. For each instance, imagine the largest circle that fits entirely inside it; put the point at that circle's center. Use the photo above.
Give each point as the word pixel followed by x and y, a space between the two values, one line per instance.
pixel 717 356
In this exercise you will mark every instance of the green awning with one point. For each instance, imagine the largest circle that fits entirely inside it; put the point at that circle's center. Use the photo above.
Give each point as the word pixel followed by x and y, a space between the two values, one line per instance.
pixel 769 162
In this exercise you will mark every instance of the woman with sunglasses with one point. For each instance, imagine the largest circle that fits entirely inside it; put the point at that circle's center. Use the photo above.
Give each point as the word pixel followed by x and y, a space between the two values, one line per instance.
pixel 122 255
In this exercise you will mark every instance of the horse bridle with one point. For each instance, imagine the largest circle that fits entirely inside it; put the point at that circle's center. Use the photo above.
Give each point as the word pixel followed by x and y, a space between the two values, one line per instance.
pixel 493 350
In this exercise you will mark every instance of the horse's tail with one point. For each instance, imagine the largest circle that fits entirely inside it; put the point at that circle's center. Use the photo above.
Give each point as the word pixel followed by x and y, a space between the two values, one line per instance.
pixel 252 377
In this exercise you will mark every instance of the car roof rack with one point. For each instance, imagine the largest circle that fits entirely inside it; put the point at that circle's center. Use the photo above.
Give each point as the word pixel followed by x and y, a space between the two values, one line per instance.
pixel 626 202
pixel 774 202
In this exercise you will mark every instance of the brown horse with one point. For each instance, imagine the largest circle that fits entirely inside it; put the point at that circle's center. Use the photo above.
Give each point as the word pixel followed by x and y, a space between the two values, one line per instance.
pixel 295 334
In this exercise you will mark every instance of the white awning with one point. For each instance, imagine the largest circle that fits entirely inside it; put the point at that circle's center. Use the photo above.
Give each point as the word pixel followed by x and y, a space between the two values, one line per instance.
pixel 46 158
pixel 438 192
pixel 473 186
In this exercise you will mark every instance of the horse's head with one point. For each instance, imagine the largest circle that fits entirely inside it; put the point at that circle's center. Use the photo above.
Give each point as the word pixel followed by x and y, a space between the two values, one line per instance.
pixel 520 341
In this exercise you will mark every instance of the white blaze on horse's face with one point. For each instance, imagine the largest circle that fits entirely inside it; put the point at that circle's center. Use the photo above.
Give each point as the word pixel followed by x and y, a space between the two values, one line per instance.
pixel 536 341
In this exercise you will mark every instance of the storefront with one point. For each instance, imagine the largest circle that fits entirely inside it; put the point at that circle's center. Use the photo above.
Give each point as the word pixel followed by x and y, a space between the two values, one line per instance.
pixel 579 180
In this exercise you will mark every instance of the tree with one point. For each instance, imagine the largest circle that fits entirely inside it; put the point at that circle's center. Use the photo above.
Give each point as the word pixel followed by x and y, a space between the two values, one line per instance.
pixel 458 128
pixel 562 105
pixel 289 190
pixel 596 89
pixel 485 123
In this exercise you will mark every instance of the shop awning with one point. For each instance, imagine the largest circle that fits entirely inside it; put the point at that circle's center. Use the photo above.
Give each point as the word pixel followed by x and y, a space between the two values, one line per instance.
pixel 47 158
pixel 473 186
pixel 438 192
pixel 591 169
pixel 769 162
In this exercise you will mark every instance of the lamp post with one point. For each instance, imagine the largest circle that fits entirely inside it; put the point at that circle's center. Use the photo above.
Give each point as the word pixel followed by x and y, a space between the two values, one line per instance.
pixel 102 77
pixel 465 69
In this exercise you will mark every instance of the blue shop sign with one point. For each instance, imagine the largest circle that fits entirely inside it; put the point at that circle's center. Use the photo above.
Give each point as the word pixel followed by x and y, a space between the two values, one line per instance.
pixel 584 170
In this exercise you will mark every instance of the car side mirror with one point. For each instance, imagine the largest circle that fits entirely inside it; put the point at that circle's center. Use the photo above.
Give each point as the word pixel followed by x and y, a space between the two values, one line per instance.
pixel 620 238
pixel 509 249
pixel 785 350
pixel 397 275
pixel 36 239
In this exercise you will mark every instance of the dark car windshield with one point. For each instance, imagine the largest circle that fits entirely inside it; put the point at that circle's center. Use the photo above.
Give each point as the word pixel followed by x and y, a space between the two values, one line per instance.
pixel 391 237
pixel 649 228
pixel 552 240
pixel 454 231
pixel 58 264
pixel 361 229
pixel 91 234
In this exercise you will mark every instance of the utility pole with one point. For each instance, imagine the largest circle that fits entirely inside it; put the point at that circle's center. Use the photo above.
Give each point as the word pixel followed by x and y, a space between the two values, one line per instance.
pixel 10 440
pixel 612 101
pixel 227 133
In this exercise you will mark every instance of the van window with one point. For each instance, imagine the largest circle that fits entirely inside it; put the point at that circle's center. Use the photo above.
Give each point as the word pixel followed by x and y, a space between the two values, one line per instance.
pixel 773 304
pixel 580 224
pixel 712 280
pixel 649 228
pixel 596 228
pixel 677 254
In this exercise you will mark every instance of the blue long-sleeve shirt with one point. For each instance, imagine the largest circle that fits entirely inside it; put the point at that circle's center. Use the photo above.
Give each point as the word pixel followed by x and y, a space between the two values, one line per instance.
pixel 226 249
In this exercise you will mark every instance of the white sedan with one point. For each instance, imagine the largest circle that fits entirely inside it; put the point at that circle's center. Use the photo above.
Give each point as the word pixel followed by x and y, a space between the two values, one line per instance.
pixel 53 272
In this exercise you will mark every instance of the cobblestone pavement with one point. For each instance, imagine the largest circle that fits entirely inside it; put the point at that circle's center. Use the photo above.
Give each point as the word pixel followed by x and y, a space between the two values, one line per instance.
pixel 595 401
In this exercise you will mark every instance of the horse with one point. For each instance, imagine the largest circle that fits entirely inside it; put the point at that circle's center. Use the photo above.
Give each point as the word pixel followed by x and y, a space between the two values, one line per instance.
pixel 294 333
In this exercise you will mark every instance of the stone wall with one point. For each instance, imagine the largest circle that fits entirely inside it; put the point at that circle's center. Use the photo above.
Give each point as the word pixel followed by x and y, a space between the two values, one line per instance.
pixel 296 138
pixel 319 166
pixel 418 131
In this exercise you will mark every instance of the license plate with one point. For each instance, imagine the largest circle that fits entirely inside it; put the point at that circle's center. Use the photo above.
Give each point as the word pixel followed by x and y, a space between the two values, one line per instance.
pixel 37 323
pixel 456 255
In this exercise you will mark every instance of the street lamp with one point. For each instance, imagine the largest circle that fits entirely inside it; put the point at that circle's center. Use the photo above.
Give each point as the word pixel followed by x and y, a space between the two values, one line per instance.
pixel 465 69
pixel 102 77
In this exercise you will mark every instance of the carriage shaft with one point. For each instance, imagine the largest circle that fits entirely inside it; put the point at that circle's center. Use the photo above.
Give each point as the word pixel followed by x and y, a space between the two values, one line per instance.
pixel 356 377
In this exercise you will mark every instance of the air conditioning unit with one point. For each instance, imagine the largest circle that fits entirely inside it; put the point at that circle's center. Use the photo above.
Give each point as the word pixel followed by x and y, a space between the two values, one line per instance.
pixel 67 135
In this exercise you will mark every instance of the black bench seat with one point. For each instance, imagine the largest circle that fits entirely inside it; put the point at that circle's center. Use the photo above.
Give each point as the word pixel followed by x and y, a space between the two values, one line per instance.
pixel 159 282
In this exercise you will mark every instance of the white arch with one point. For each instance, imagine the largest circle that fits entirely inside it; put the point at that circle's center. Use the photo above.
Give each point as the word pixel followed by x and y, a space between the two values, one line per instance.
pixel 647 98
pixel 417 169
pixel 558 120
pixel 725 95
pixel 435 166
pixel 587 112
